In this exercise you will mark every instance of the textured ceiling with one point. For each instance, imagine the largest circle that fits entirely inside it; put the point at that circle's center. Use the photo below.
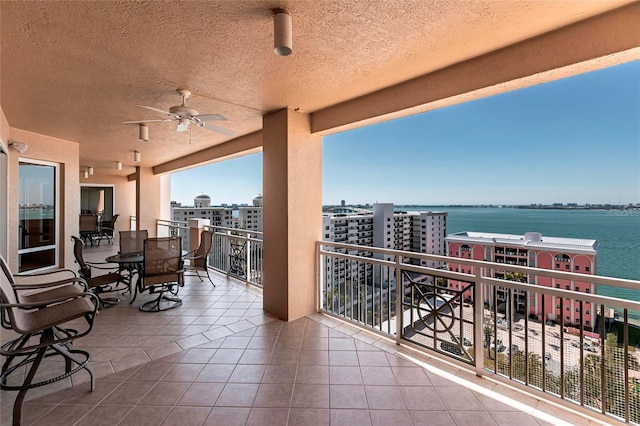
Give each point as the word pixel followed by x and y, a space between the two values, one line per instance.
pixel 76 70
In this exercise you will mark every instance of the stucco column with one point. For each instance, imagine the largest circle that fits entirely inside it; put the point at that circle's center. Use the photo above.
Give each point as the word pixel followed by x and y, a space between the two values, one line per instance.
pixel 152 199
pixel 292 213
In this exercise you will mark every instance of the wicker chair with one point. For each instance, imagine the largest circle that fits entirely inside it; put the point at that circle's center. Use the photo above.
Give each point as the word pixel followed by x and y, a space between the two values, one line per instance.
pixel 199 258
pixel 133 241
pixel 39 326
pixel 162 272
pixel 111 280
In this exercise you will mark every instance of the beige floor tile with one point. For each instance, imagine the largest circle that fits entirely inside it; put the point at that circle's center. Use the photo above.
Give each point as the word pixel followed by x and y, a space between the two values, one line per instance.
pixel 274 395
pixel 201 394
pixel 459 398
pixel 145 415
pixel 390 417
pixel 64 415
pixel 309 417
pixel 247 373
pixel 384 398
pixel 187 416
pixel 347 396
pixel 237 395
pixel 431 418
pixel 349 417
pixel 345 375
pixel 472 418
pixel 268 416
pixel 279 374
pixel 313 374
pixel 228 416
pixel 104 415
pixel 182 373
pixel 378 376
pixel 311 396
pixel 215 373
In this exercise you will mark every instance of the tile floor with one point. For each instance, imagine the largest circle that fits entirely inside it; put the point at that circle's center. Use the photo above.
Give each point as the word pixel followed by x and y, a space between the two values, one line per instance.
pixel 219 359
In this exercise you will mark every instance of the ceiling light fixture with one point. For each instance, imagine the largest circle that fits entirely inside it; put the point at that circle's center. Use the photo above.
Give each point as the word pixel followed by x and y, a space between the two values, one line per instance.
pixel 136 156
pixel 90 170
pixel 144 132
pixel 19 146
pixel 282 32
pixel 118 165
pixel 85 174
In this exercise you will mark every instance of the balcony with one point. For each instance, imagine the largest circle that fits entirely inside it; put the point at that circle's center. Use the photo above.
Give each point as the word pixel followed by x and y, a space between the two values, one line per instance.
pixel 515 335
pixel 221 359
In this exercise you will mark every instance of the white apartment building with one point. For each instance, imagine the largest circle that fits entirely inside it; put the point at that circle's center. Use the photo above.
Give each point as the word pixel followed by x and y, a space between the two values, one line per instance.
pixel 250 217
pixel 217 215
pixel 421 232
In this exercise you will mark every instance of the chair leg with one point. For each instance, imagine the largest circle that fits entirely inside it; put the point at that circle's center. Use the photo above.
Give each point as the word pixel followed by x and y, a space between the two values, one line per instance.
pixel 17 405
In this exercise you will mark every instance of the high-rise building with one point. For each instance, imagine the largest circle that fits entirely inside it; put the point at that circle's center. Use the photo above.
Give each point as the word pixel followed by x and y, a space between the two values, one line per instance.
pixel 218 216
pixel 250 217
pixel 533 250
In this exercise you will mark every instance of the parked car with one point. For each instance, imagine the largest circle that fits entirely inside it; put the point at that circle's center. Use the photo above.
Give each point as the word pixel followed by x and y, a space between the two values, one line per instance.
pixel 451 348
pixel 547 357
pixel 575 344
pixel 514 349
pixel 464 340
pixel 500 347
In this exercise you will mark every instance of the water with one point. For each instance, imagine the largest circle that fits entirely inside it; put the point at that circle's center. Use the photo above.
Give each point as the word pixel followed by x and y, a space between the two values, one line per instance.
pixel 618 233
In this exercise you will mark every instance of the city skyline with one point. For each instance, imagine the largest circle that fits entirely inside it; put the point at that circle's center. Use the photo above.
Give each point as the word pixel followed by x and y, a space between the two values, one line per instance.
pixel 575 140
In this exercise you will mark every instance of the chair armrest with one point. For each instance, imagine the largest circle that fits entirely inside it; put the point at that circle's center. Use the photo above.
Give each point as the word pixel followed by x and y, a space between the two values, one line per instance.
pixel 41 277
pixel 102 265
pixel 45 303
pixel 186 255
pixel 43 285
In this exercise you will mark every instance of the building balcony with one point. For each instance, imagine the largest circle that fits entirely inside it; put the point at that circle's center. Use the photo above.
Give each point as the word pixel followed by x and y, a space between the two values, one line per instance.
pixel 220 358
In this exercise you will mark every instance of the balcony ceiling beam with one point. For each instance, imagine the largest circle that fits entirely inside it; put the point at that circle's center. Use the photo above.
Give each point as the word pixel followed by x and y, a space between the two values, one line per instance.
pixel 602 41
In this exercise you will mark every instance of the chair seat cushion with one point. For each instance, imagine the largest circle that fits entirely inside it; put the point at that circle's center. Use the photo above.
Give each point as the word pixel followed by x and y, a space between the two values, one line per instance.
pixel 28 322
pixel 37 296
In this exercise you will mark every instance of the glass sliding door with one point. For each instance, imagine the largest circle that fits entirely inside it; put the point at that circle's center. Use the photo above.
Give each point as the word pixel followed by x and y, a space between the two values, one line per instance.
pixel 38 206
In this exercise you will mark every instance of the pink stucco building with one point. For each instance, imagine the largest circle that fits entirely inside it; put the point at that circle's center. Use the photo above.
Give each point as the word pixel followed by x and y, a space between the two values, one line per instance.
pixel 534 250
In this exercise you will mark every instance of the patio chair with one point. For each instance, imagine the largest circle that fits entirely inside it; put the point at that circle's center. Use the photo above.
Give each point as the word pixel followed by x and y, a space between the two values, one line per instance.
pixel 162 272
pixel 89 228
pixel 35 288
pixel 108 228
pixel 199 258
pixel 133 241
pixel 37 324
pixel 107 282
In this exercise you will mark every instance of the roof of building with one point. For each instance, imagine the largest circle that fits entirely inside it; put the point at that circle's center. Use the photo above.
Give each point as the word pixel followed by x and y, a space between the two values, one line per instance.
pixel 532 240
pixel 202 196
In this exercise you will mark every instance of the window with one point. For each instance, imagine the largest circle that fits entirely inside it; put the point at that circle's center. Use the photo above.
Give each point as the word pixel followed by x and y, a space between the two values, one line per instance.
pixel 587 269
pixel 577 268
pixel 37 213
pixel 567 267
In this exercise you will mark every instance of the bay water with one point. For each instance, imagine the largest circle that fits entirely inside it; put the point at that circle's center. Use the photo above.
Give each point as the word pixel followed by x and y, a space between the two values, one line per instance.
pixel 617 232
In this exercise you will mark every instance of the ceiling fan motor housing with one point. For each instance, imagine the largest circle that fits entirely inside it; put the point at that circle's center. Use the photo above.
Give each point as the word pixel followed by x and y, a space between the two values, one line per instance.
pixel 183 111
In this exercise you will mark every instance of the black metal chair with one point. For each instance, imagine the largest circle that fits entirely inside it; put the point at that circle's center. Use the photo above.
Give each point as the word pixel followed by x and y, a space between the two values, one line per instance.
pixel 162 272
pixel 89 228
pixel 109 281
pixel 39 325
pixel 107 229
pixel 199 258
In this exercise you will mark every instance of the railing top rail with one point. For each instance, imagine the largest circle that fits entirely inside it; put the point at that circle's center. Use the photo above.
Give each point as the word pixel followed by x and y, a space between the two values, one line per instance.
pixel 215 228
pixel 175 223
pixel 571 276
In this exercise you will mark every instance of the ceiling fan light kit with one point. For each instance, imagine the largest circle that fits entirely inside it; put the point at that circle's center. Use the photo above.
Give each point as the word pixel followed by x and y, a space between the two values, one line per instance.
pixel 282 33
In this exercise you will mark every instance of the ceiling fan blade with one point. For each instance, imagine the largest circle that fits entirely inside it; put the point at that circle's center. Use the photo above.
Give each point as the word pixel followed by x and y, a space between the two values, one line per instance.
pixel 156 110
pixel 147 121
pixel 213 128
pixel 210 117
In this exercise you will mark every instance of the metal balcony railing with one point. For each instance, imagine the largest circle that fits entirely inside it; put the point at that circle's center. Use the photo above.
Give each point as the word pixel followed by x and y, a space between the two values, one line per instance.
pixel 583 357
pixel 234 252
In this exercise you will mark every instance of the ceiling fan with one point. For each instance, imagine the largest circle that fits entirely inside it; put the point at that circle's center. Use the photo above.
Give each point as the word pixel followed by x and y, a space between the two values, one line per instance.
pixel 185 115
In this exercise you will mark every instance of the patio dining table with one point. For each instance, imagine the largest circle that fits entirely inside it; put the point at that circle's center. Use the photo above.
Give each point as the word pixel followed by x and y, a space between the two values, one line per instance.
pixel 131 262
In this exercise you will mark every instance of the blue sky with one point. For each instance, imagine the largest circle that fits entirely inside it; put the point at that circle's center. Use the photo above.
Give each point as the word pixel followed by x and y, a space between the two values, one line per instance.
pixel 572 140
